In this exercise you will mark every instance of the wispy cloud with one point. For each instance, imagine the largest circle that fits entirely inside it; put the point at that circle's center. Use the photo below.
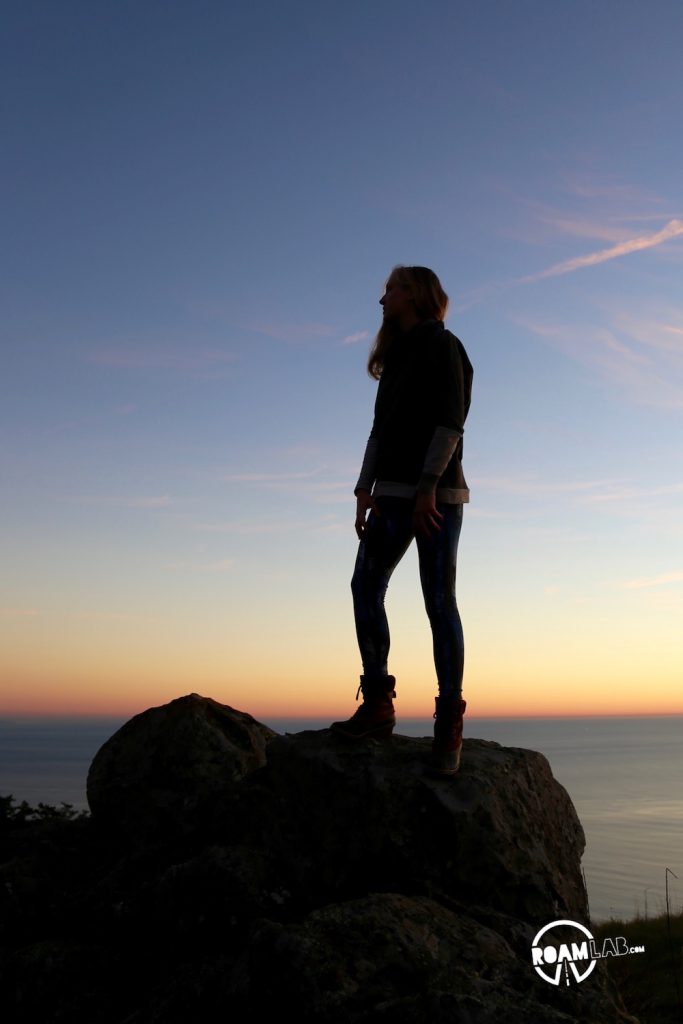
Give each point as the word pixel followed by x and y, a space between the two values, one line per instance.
pixel 252 525
pixel 156 358
pixel 301 450
pixel 115 617
pixel 533 487
pixel 629 493
pixel 609 191
pixel 292 332
pixel 268 478
pixel 276 525
pixel 331 492
pixel 351 339
pixel 18 613
pixel 303 484
pixel 646 373
pixel 653 333
pixel 560 221
pixel 136 501
pixel 663 580
pixel 221 565
pixel 602 211
pixel 333 525
pixel 587 228
pixel 633 218
pixel 150 501
pixel 671 230
pixel 485 292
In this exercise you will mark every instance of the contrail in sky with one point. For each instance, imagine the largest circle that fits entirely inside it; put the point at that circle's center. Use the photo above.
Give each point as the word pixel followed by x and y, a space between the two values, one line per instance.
pixel 671 230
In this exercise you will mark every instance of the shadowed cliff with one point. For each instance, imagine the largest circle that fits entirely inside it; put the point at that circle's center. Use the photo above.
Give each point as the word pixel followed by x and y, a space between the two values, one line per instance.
pixel 228 869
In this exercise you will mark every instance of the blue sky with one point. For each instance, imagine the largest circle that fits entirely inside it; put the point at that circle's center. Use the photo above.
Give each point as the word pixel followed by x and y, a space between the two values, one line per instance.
pixel 201 204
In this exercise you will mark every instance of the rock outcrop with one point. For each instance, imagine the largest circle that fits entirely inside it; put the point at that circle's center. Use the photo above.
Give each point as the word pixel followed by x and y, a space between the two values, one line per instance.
pixel 318 878
pixel 168 765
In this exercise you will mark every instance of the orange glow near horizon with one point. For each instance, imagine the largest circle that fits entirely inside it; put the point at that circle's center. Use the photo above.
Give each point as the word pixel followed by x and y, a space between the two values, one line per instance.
pixel 524 670
pixel 302 698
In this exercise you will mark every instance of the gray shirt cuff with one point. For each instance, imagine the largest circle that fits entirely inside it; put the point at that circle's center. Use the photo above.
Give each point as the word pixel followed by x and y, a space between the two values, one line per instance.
pixel 367 472
pixel 439 454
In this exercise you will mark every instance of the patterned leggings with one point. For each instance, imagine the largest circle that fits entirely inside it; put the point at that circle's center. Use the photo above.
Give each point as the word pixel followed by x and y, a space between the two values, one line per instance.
pixel 385 541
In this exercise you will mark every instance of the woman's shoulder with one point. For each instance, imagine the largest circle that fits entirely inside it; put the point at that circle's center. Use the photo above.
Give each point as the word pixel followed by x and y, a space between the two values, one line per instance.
pixel 438 337
pixel 445 347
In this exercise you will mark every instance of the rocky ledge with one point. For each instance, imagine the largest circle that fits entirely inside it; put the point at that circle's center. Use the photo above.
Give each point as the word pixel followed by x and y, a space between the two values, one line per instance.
pixel 227 870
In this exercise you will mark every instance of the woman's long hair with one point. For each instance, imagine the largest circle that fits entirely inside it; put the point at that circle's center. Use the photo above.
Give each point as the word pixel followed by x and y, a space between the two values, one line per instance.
pixel 431 303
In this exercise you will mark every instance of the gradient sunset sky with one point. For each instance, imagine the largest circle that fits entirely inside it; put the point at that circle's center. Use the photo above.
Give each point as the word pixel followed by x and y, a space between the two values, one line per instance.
pixel 202 201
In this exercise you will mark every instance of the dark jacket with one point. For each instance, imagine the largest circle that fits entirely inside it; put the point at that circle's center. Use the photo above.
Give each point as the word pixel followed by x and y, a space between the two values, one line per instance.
pixel 423 398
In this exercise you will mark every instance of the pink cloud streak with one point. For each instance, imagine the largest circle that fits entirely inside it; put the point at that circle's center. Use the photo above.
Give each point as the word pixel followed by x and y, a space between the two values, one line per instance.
pixel 671 230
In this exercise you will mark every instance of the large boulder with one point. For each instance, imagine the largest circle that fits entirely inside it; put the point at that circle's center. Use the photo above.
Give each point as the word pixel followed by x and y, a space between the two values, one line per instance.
pixel 305 876
pixel 393 959
pixel 165 766
pixel 342 818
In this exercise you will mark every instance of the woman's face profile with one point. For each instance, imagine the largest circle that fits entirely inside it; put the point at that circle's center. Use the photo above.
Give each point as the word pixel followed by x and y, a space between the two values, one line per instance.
pixel 397 301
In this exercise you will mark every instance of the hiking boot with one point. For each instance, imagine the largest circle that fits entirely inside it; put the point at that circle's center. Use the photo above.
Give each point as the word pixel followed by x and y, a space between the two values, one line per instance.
pixel 447 743
pixel 375 717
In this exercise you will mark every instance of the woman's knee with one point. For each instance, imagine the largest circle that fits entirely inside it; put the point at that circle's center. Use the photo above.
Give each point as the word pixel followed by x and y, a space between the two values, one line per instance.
pixel 358 583
pixel 441 606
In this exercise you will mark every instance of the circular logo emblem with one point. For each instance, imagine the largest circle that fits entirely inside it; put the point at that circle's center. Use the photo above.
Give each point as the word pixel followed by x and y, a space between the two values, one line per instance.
pixel 562 952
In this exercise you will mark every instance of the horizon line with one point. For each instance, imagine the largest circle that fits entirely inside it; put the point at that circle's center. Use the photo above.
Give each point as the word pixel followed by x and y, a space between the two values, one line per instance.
pixel 312 717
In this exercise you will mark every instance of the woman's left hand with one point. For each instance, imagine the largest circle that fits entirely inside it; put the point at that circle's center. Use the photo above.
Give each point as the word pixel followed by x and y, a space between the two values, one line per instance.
pixel 426 516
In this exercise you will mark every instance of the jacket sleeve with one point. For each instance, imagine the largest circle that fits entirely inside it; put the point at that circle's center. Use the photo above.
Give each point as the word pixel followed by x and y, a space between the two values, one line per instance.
pixel 367 472
pixel 447 379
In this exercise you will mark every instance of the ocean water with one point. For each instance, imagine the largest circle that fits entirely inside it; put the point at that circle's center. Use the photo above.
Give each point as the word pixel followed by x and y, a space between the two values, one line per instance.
pixel 623 775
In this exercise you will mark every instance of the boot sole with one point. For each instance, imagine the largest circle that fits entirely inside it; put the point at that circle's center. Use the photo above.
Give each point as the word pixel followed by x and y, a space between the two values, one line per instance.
pixel 445 763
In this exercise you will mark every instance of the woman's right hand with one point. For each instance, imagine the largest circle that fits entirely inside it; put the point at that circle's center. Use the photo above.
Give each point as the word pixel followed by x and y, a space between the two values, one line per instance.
pixel 364 502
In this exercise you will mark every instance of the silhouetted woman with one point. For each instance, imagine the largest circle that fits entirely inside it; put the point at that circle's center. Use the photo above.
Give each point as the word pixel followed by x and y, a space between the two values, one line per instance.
pixel 412 485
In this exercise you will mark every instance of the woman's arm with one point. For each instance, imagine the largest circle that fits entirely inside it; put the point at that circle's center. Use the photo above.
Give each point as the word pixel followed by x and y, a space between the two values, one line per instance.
pixel 446 378
pixel 364 502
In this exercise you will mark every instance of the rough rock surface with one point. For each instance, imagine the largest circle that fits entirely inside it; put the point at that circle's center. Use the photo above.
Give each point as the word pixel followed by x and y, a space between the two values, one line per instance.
pixel 165 765
pixel 227 868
